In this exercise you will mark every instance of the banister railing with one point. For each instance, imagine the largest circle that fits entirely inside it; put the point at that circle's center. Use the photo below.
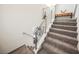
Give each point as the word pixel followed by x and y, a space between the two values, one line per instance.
pixel 41 29
pixel 39 32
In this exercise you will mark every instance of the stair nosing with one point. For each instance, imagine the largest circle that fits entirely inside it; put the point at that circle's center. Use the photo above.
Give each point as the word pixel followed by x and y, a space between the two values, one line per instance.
pixel 65 22
pixel 54 48
pixel 39 52
pixel 60 42
pixel 67 19
pixel 61 35
pixel 63 30
pixel 64 25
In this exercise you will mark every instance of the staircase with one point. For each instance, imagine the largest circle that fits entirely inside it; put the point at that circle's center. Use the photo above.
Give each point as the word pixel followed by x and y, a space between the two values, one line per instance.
pixel 62 37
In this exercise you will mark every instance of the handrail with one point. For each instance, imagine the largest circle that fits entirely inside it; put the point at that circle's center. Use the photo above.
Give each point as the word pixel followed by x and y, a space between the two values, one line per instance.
pixel 40 30
pixel 34 37
pixel 41 23
pixel 27 34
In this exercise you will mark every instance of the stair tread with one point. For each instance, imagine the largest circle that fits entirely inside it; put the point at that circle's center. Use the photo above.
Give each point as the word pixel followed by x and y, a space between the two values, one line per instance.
pixel 65 22
pixel 67 19
pixel 61 43
pixel 63 30
pixel 73 21
pixel 52 49
pixel 42 51
pixel 67 27
pixel 64 25
pixel 61 35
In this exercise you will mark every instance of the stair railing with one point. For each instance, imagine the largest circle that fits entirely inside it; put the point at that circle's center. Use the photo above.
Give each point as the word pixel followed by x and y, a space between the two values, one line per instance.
pixel 38 32
pixel 41 29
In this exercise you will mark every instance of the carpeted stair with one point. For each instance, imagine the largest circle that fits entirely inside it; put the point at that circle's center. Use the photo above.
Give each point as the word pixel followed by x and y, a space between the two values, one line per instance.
pixel 62 37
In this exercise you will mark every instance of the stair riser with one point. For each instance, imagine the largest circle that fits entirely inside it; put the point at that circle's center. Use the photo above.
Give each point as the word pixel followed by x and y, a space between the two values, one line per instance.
pixel 42 51
pixel 66 28
pixel 51 49
pixel 69 19
pixel 63 17
pixel 64 39
pixel 65 23
pixel 45 50
pixel 64 32
pixel 65 48
pixel 60 20
pixel 48 50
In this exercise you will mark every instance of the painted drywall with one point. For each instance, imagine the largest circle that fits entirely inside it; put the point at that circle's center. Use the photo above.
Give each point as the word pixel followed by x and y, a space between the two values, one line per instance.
pixel 63 7
pixel 77 16
pixel 16 19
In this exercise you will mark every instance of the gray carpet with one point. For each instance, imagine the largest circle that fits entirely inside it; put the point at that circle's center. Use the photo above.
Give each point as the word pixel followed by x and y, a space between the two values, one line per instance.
pixel 62 37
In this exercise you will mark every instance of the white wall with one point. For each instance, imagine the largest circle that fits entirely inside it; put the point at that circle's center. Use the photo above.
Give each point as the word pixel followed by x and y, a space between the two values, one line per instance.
pixel 63 7
pixel 15 19
pixel 77 16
